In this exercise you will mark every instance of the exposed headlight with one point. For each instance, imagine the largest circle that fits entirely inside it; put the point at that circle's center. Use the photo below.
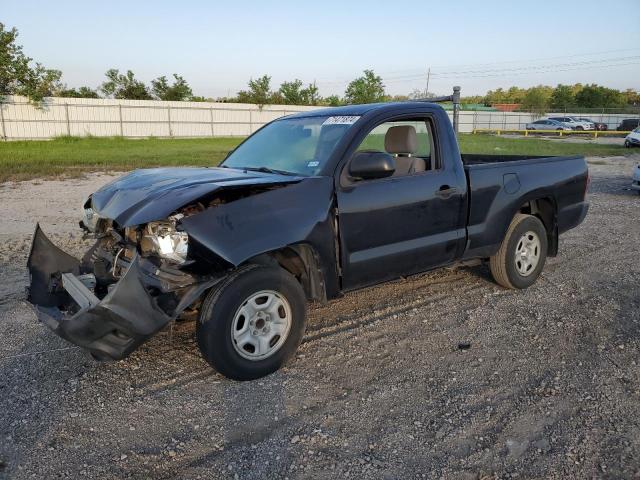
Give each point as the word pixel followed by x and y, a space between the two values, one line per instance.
pixel 163 239
pixel 90 219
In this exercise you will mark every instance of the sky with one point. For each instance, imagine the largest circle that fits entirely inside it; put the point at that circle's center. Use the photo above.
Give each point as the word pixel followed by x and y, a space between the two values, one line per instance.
pixel 219 46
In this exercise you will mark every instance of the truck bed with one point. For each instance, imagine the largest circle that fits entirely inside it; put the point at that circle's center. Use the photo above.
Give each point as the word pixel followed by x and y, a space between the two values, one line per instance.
pixel 499 185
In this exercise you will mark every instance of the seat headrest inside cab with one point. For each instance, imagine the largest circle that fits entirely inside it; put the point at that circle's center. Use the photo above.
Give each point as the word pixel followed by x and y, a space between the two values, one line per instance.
pixel 401 139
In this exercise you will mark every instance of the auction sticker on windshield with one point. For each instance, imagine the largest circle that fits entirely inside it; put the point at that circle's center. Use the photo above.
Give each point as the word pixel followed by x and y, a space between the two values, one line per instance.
pixel 341 120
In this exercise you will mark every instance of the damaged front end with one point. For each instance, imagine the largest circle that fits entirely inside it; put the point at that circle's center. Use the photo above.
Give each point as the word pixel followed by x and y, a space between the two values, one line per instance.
pixel 166 236
pixel 116 297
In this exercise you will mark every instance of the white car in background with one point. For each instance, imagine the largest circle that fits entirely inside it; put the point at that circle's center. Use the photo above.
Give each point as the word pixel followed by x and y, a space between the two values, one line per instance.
pixel 548 124
pixel 633 138
pixel 574 123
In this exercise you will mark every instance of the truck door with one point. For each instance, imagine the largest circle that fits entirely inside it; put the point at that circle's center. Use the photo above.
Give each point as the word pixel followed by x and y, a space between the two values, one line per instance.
pixel 409 222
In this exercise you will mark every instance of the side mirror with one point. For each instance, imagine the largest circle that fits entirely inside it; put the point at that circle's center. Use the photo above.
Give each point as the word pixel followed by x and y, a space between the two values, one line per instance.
pixel 370 165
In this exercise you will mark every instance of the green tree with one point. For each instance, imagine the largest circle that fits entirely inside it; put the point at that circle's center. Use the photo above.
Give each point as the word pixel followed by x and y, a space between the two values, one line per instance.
pixel 333 101
pixel 562 97
pixel 515 95
pixel 596 96
pixel 18 76
pixel 472 99
pixel 536 100
pixel 495 96
pixel 82 92
pixel 311 95
pixel 124 86
pixel 418 94
pixel 292 92
pixel 178 91
pixel 365 89
pixel 632 96
pixel 259 92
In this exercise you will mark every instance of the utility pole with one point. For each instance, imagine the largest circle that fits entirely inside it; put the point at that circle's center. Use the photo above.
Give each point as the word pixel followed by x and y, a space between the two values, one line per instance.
pixel 426 94
pixel 455 98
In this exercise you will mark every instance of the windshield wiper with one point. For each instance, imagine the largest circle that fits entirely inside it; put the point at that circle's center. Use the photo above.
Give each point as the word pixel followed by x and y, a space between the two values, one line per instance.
pixel 268 170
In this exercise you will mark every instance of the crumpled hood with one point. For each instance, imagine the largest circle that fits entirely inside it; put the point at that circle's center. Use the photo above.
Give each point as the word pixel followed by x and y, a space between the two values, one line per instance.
pixel 153 194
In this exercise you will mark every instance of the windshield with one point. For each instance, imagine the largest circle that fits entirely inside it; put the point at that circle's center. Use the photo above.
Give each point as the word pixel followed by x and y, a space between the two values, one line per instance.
pixel 291 145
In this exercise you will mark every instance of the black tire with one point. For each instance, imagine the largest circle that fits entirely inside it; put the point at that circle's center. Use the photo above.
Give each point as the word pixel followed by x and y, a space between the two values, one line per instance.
pixel 213 330
pixel 627 144
pixel 579 128
pixel 503 263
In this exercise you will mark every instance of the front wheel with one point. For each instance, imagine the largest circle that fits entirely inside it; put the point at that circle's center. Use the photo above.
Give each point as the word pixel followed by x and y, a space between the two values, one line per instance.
pixel 627 144
pixel 252 322
pixel 522 254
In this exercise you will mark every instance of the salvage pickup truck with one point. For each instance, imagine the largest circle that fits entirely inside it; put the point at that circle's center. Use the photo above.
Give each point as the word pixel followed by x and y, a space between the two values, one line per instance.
pixel 308 207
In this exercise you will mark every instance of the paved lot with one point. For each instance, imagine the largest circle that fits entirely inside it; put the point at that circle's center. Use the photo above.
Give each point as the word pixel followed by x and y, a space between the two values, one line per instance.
pixel 549 388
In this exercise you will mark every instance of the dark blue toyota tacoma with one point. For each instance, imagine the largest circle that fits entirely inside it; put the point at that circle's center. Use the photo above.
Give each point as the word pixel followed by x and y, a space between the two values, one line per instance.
pixel 310 206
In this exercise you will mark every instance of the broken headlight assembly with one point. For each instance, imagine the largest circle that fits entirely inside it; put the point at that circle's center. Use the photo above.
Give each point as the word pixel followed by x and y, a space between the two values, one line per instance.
pixel 164 240
pixel 91 220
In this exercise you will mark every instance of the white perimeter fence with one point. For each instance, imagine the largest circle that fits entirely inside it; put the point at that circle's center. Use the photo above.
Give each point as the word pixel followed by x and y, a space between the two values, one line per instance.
pixel 20 120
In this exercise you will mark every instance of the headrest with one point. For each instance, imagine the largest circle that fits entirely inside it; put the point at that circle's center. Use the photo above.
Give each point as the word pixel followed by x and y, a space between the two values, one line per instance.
pixel 401 139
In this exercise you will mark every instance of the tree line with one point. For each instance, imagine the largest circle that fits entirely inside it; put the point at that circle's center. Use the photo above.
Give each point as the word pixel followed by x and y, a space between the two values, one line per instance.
pixel 19 75
pixel 563 97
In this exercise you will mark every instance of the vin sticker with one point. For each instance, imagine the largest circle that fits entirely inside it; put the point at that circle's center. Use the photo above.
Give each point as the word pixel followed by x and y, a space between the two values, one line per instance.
pixel 341 120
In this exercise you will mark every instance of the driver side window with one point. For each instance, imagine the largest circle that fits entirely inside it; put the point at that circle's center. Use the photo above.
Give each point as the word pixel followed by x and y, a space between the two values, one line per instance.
pixel 410 142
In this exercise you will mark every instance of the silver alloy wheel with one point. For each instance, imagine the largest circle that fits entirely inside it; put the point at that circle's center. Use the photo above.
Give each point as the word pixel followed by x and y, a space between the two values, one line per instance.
pixel 527 253
pixel 261 325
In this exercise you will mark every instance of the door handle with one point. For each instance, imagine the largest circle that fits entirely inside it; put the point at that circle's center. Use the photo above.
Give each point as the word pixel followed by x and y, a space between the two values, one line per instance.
pixel 445 191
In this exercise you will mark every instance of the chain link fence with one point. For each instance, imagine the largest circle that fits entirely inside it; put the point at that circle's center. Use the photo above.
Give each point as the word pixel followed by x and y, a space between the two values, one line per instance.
pixel 517 120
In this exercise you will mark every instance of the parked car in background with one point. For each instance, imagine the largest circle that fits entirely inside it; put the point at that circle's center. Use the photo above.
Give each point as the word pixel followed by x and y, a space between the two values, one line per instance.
pixel 598 125
pixel 548 125
pixel 628 124
pixel 633 139
pixel 574 123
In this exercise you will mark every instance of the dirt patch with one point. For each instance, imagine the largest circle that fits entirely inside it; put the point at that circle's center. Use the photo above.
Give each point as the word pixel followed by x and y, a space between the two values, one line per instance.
pixel 442 375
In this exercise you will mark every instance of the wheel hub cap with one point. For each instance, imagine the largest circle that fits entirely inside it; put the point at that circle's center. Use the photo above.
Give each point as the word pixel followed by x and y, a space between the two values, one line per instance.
pixel 527 254
pixel 261 325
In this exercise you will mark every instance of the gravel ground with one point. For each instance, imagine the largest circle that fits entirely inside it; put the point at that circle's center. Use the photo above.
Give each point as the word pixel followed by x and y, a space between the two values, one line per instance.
pixel 549 388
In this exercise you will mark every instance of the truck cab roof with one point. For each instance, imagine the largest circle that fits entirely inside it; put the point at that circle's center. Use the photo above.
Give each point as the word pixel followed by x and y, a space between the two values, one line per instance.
pixel 360 110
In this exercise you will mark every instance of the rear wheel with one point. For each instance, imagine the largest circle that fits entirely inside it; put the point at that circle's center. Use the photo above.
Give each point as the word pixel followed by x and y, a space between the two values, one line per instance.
pixel 522 254
pixel 252 322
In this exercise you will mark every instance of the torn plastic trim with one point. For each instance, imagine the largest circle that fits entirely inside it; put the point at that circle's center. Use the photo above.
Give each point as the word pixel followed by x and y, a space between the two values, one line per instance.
pixel 45 260
pixel 111 328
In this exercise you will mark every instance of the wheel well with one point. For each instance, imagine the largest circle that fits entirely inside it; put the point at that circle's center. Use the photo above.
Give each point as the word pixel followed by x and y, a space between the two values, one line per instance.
pixel 302 262
pixel 545 210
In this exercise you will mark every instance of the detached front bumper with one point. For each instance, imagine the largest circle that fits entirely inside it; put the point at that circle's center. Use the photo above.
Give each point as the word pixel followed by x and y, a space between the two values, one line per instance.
pixel 114 326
